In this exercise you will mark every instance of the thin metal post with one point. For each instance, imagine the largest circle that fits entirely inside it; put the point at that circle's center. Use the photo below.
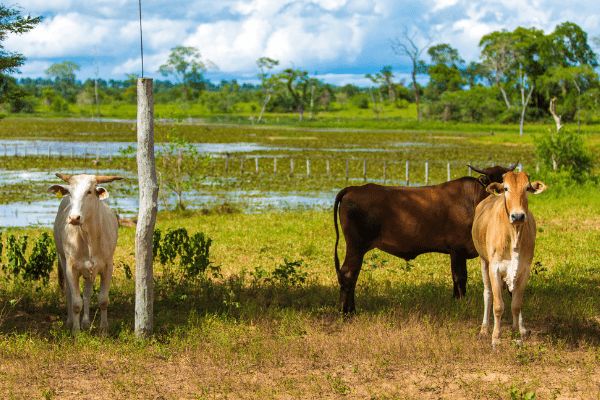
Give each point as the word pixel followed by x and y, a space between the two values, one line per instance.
pixel 407 173
pixel 426 172
pixel 448 170
pixel 308 167
pixel 256 165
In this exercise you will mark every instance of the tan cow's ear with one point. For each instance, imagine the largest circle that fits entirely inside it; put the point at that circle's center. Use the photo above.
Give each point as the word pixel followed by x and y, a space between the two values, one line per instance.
pixel 495 188
pixel 102 193
pixel 536 187
pixel 59 190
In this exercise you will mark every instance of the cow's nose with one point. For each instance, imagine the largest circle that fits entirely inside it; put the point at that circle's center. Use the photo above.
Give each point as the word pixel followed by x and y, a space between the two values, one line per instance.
pixel 74 219
pixel 517 217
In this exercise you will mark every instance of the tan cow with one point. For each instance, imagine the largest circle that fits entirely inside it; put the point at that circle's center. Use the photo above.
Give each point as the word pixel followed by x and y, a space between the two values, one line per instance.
pixel 504 236
pixel 85 232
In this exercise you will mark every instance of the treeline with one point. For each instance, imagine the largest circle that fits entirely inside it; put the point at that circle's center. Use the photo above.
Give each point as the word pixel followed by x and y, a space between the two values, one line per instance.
pixel 517 75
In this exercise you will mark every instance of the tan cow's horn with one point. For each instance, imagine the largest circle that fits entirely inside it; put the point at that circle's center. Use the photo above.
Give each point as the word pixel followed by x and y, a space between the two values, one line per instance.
pixel 476 170
pixel 107 178
pixel 64 177
pixel 513 166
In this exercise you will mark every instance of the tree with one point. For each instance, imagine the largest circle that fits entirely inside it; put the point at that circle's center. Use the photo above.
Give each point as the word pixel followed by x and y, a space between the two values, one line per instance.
pixel 186 65
pixel 13 22
pixel 64 78
pixel 406 46
pixel 267 82
pixel 444 71
pixel 296 82
pixel 498 57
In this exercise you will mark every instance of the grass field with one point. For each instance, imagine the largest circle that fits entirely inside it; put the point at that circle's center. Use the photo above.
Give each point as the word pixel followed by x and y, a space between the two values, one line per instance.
pixel 240 335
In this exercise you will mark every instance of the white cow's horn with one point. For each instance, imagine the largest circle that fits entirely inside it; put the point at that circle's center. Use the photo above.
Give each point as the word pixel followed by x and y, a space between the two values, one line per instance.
pixel 107 178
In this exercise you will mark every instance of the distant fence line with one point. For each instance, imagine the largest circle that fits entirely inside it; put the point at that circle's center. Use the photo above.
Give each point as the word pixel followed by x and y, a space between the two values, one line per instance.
pixel 370 168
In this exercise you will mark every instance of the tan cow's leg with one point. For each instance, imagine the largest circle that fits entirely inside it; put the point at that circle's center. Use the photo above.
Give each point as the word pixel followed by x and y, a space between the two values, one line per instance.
pixel 487 298
pixel 87 294
pixel 496 281
pixel 72 276
pixel 516 305
pixel 105 277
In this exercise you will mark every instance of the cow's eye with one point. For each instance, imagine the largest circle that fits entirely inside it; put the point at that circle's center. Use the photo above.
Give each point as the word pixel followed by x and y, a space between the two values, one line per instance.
pixel 505 189
pixel 89 192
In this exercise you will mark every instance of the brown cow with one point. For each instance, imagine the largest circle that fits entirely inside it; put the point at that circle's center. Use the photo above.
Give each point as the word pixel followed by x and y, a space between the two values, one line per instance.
pixel 504 236
pixel 407 222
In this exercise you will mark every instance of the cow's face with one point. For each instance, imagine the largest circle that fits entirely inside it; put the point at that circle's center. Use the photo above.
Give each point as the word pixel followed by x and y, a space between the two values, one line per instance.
pixel 84 195
pixel 514 187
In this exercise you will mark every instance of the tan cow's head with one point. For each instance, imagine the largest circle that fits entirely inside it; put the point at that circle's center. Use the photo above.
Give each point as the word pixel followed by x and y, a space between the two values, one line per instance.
pixel 514 187
pixel 84 194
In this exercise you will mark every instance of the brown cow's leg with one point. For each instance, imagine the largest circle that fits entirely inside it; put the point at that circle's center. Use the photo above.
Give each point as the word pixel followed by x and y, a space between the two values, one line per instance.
pixel 458 264
pixel 347 277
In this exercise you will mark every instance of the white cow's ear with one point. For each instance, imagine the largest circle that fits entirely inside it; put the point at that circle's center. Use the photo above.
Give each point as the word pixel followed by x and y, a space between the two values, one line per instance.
pixel 59 190
pixel 102 193
pixel 495 188
pixel 536 187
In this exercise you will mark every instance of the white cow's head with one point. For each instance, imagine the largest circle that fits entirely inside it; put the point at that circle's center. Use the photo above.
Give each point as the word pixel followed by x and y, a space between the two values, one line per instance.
pixel 84 194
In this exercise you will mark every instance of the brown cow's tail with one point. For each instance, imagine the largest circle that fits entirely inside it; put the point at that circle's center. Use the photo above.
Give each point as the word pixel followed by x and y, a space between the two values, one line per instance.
pixel 338 199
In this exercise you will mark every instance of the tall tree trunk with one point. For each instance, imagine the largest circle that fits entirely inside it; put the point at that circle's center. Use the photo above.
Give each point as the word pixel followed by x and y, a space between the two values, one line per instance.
pixel 524 102
pixel 148 187
pixel 505 97
pixel 416 89
pixel 264 107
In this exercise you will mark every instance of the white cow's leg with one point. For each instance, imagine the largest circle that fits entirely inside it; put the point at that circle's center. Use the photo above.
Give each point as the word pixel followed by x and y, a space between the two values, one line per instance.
pixel 67 290
pixel 496 282
pixel 72 276
pixel 105 278
pixel 87 294
pixel 487 298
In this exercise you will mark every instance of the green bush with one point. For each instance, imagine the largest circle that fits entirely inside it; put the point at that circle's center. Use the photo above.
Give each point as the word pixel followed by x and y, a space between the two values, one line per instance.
pixel 35 268
pixel 190 254
pixel 564 151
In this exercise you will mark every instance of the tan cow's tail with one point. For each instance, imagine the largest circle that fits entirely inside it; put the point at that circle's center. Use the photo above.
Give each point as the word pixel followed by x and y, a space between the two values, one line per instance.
pixel 338 199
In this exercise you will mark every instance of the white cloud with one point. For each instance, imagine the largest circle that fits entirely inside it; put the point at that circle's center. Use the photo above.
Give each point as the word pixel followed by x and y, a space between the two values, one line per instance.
pixel 343 36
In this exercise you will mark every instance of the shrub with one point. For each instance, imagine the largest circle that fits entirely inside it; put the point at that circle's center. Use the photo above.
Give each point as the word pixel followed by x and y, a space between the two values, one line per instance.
pixel 39 264
pixel 564 151
pixel 190 254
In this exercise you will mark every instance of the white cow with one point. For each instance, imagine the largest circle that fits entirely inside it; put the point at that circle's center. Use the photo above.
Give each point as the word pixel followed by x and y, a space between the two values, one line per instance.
pixel 85 232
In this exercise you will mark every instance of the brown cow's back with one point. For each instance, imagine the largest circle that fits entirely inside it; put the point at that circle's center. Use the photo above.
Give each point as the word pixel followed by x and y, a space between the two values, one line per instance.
pixel 407 222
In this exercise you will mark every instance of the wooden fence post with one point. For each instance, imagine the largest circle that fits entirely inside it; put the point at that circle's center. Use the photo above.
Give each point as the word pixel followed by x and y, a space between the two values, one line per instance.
pixel 256 165
pixel 347 170
pixel 364 170
pixel 308 167
pixel 327 167
pixel 291 166
pixel 406 173
pixel 384 171
pixel 148 187
pixel 274 165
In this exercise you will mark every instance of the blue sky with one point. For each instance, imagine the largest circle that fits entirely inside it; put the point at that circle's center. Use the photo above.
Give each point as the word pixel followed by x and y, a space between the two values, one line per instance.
pixel 339 40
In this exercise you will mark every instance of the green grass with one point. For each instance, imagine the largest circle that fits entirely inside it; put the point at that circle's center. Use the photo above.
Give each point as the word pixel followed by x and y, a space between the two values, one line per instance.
pixel 245 338
pixel 238 336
